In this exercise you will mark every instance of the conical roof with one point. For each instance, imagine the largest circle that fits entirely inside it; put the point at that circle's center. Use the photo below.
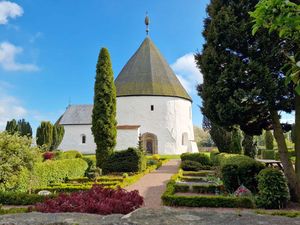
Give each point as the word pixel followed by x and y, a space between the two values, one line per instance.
pixel 148 74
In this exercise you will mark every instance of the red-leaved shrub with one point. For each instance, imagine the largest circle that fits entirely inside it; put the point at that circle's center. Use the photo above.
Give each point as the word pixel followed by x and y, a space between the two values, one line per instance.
pixel 98 200
pixel 48 155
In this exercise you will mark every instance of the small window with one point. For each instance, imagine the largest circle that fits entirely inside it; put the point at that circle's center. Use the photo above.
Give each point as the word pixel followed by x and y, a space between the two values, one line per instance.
pixel 152 107
pixel 83 139
pixel 185 139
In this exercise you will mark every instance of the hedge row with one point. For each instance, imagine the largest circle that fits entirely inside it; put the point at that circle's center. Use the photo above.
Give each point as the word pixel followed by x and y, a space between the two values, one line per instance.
pixel 56 171
pixel 170 199
pixel 13 198
pixel 130 160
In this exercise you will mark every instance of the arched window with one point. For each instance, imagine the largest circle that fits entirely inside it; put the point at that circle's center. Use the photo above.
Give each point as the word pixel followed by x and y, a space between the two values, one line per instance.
pixel 83 139
pixel 185 139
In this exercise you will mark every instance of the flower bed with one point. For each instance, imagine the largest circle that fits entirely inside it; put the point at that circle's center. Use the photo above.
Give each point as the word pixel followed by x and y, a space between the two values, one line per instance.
pixel 97 200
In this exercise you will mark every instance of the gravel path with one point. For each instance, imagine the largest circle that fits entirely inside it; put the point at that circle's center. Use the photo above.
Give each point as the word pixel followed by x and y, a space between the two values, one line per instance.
pixel 153 184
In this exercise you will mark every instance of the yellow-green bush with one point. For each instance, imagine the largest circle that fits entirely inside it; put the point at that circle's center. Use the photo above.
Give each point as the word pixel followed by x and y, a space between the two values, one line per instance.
pixel 57 170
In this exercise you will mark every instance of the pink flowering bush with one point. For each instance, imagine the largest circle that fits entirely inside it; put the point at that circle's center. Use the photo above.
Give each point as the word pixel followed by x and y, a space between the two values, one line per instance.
pixel 48 155
pixel 97 200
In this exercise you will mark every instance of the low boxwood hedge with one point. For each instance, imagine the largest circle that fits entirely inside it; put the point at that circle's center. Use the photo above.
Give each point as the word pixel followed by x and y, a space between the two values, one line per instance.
pixel 170 199
pixel 210 188
pixel 268 154
pixel 200 173
pixel 17 198
pixel 182 188
pixel 196 157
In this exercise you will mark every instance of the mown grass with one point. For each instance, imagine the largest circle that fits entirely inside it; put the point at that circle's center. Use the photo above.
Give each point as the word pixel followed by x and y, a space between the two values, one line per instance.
pixel 290 213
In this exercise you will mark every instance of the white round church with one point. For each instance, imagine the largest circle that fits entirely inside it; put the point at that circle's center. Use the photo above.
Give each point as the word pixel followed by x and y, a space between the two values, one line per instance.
pixel 151 102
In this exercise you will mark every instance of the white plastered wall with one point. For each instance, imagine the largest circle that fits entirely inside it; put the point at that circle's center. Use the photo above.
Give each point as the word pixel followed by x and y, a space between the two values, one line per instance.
pixel 73 139
pixel 127 138
pixel 170 119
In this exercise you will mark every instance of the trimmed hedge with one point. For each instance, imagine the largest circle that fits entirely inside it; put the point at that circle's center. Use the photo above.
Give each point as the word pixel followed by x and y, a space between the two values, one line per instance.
pixel 189 165
pixel 196 157
pixel 17 198
pixel 56 171
pixel 130 160
pixel 291 154
pixel 170 199
pixel 193 179
pixel 240 169
pixel 200 173
pixel 182 188
pixel 204 189
pixel 268 154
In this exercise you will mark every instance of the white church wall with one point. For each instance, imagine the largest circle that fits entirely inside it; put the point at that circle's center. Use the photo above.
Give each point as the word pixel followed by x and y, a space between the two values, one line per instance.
pixel 73 139
pixel 127 138
pixel 170 119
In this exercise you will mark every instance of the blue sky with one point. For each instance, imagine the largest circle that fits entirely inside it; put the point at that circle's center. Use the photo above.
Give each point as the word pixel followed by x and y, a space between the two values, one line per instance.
pixel 49 49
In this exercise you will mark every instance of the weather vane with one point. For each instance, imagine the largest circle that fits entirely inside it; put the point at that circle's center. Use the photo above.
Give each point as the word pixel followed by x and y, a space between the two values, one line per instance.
pixel 147 22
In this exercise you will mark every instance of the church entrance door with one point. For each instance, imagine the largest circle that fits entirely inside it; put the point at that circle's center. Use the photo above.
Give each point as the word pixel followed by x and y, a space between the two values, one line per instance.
pixel 150 143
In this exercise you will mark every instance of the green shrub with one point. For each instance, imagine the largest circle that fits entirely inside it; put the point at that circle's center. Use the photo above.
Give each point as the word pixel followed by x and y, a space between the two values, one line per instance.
pixel 197 157
pixel 291 154
pixel 202 173
pixel 210 189
pixel 169 198
pixel 240 169
pixel 71 154
pixel 268 154
pixel 130 160
pixel 213 157
pixel 15 198
pixel 193 166
pixel 56 171
pixel 16 156
pixel 273 190
pixel 193 179
pixel 182 188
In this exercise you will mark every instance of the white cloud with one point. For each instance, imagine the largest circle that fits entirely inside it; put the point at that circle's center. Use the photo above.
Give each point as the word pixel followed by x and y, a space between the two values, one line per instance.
pixel 288 117
pixel 8 53
pixel 10 107
pixel 9 10
pixel 187 72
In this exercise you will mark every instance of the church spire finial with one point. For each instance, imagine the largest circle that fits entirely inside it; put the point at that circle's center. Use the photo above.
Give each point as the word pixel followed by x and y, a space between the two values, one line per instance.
pixel 147 22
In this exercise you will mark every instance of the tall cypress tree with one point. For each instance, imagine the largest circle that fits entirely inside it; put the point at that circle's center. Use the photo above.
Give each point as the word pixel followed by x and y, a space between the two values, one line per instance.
pixel 243 83
pixel 44 135
pixel 104 124
pixel 57 136
pixel 269 140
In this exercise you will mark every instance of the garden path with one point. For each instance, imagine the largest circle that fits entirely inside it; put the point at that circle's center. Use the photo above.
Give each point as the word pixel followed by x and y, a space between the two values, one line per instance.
pixel 152 185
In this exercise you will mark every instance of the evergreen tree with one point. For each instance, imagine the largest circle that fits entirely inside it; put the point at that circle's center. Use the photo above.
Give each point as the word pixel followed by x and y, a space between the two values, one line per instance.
pixel 11 127
pixel 24 128
pixel 243 82
pixel 293 133
pixel 249 146
pixel 104 112
pixel 44 135
pixel 57 136
pixel 222 138
pixel 236 141
pixel 269 139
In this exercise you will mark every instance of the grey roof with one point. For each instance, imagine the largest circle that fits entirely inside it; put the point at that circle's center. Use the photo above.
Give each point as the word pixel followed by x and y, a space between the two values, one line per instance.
pixel 77 114
pixel 148 73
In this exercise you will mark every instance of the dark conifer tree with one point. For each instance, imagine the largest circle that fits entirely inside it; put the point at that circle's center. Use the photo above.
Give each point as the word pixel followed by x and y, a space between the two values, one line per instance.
pixel 104 112
pixel 243 83
pixel 24 128
pixel 11 126
pixel 44 135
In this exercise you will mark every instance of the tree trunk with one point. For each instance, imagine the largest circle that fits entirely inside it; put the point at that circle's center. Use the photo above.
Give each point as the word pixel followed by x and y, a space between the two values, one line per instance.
pixel 297 135
pixel 289 171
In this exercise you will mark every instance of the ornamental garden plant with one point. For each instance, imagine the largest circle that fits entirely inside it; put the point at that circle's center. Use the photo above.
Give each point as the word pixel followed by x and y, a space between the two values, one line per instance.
pixel 228 180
